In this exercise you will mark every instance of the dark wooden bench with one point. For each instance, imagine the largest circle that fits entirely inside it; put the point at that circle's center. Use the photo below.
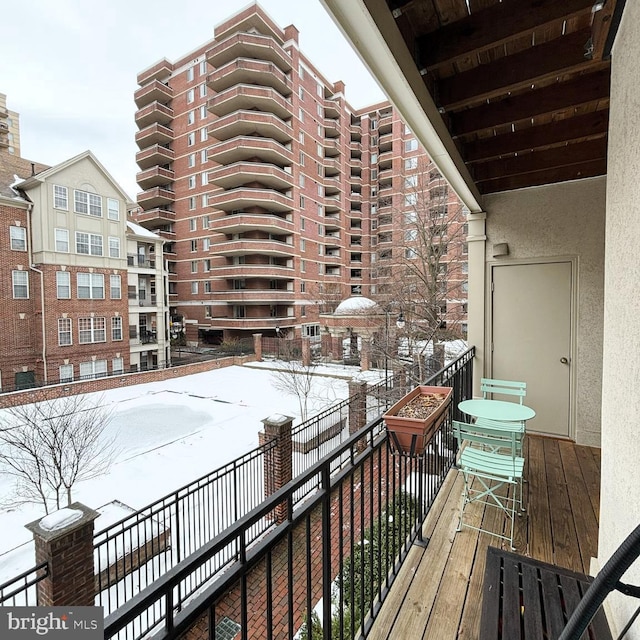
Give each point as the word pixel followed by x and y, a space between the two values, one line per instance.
pixel 524 599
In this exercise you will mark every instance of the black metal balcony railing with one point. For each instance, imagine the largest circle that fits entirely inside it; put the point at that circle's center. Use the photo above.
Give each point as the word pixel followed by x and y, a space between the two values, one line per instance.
pixel 20 591
pixel 336 534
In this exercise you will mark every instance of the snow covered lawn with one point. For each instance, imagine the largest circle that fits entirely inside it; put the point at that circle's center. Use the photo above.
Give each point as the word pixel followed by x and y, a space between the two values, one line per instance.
pixel 170 433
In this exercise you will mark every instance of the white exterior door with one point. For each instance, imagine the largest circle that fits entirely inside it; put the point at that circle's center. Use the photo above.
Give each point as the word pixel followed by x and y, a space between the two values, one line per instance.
pixel 531 338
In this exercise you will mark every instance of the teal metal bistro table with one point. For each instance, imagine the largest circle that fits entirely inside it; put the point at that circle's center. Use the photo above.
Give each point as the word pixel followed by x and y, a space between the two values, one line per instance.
pixel 497 410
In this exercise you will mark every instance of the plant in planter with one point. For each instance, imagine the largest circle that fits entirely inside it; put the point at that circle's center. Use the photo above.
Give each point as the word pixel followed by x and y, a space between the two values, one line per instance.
pixel 412 421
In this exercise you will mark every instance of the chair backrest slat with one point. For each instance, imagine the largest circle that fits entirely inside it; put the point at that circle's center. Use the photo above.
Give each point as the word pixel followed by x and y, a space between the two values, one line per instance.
pixel 505 387
pixel 508 441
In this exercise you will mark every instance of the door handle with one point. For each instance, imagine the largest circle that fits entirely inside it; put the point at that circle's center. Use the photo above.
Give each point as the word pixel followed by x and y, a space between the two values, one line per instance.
pixel 564 360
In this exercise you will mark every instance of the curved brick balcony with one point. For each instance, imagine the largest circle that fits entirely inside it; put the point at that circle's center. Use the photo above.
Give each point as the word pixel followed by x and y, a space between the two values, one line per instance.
pixel 155 133
pixel 240 173
pixel 154 177
pixel 155 197
pixel 247 71
pixel 244 122
pixel 250 147
pixel 151 92
pixel 246 247
pixel 154 112
pixel 243 198
pixel 244 222
pixel 155 155
pixel 248 45
pixel 245 96
pixel 255 296
pixel 271 271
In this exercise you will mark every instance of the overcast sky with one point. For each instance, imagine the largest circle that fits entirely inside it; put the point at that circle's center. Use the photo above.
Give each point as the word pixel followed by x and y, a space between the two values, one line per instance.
pixel 69 66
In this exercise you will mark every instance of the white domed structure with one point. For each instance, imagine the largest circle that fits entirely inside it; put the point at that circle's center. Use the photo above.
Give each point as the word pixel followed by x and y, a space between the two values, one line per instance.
pixel 356 305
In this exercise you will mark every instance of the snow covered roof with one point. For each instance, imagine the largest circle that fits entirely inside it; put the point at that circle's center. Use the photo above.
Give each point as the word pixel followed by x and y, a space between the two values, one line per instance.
pixel 355 305
pixel 141 231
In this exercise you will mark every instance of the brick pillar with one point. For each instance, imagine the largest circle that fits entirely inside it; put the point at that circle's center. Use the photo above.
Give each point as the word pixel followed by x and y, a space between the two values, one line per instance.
pixel 306 352
pixel 277 460
pixel 257 346
pixel 357 407
pixel 65 540
pixel 365 354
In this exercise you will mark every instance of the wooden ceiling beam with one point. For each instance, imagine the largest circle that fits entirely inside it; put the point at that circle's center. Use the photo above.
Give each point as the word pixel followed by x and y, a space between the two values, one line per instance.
pixel 567 155
pixel 566 130
pixel 511 73
pixel 600 28
pixel 494 26
pixel 588 169
pixel 583 89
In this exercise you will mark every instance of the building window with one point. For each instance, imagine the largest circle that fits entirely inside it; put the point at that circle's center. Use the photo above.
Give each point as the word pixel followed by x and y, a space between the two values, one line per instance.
pixel 302 222
pixel 303 244
pixel 239 311
pixel 18 238
pixel 300 114
pixel 410 199
pixel 411 163
pixel 64 332
pixel 90 203
pixel 190 74
pixel 205 222
pixel 20 281
pixel 203 114
pixel 411 182
pixel 63 285
pixel 205 200
pixel 302 202
pixel 206 244
pixel 374 158
pixel 207 311
pixel 203 90
pixel 194 245
pixel 117 365
pixel 192 224
pixel 90 286
pixel 191 160
pixel 66 373
pixel 301 179
pixel 302 158
pixel 115 287
pixel 116 328
pixel 411 145
pixel 191 94
pixel 191 139
pixel 192 203
pixel 319 150
pixel 92 330
pixel 373 123
pixel 191 117
pixel 113 209
pixel 203 67
pixel 204 135
pixel 194 287
pixel 204 178
pixel 60 197
pixel 194 266
pixel 203 156
pixel 207 265
pixel 207 286
pixel 93 369
pixel 88 243
pixel 62 240
pixel 192 182
pixel 114 247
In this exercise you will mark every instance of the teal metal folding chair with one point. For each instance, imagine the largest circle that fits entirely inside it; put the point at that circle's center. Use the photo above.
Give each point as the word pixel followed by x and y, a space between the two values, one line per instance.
pixel 491 387
pixel 492 471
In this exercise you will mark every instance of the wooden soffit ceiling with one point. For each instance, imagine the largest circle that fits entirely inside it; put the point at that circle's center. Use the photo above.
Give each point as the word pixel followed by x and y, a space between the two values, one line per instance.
pixel 521 85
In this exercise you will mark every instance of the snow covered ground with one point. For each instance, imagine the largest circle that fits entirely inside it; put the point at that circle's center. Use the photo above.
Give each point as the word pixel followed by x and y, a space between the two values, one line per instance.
pixel 172 432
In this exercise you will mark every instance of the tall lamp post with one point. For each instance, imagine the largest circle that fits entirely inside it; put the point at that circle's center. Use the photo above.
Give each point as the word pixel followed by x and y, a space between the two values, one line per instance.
pixel 278 341
pixel 400 324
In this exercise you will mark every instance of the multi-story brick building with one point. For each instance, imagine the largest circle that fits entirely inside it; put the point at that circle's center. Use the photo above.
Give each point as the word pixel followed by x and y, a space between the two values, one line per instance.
pixel 64 238
pixel 277 198
pixel 9 128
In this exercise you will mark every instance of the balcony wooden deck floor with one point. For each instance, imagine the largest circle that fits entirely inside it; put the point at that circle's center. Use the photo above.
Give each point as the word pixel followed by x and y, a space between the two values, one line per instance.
pixel 438 594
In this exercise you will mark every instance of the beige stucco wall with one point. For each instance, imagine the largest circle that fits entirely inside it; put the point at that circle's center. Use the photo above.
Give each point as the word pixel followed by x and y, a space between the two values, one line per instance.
pixel 620 505
pixel 562 220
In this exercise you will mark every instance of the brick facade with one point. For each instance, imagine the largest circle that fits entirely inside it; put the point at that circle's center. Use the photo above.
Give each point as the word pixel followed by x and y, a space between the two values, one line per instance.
pixel 280 193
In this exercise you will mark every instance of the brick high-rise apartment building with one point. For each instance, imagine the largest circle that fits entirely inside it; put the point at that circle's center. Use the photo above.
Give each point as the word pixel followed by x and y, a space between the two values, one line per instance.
pixel 82 293
pixel 276 197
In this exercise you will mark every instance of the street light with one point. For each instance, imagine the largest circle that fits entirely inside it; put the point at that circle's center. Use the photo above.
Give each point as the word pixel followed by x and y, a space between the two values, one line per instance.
pixel 278 341
pixel 400 323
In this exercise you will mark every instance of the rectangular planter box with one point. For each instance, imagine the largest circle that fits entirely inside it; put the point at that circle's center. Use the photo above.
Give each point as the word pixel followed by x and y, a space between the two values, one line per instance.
pixel 411 435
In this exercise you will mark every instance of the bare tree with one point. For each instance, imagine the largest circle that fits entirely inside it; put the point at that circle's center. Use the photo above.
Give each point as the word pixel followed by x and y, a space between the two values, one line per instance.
pixel 420 273
pixel 293 377
pixel 47 447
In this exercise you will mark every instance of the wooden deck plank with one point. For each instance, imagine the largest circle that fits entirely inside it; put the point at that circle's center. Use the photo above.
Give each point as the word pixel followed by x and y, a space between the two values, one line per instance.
pixel 441 596
pixel 566 552
pixel 584 518
pixel 590 466
pixel 429 576
pixel 399 592
pixel 538 510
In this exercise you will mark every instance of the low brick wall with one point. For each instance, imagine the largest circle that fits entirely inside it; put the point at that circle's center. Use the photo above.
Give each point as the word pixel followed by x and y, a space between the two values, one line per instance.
pixel 52 392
